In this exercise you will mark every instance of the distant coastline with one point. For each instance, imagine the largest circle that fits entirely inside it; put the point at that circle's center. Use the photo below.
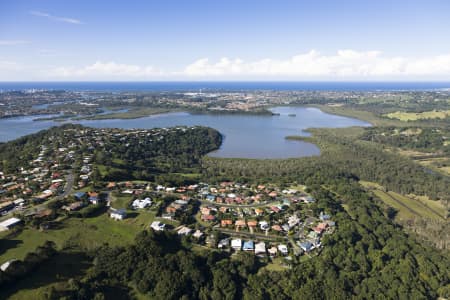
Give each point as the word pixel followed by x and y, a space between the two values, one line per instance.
pixel 198 86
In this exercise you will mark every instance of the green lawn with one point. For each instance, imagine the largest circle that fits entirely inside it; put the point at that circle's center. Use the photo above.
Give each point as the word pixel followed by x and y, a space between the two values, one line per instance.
pixel 418 206
pixel 53 273
pixel 403 213
pixel 278 264
pixel 440 164
pixel 119 200
pixel 86 233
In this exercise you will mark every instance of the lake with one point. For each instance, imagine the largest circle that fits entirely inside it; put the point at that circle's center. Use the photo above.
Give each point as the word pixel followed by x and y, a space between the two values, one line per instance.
pixel 245 136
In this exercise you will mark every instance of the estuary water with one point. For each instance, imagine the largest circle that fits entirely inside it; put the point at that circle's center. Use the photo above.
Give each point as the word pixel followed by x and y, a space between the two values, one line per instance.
pixel 245 136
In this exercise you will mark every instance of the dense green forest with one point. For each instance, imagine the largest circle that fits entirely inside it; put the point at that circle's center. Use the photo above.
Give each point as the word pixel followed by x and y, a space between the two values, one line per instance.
pixel 143 158
pixel 369 257
pixel 421 139
pixel 117 154
pixel 343 152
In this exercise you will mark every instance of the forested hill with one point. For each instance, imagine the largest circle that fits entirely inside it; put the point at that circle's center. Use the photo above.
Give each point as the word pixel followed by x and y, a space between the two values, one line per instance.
pixel 117 154
pixel 368 258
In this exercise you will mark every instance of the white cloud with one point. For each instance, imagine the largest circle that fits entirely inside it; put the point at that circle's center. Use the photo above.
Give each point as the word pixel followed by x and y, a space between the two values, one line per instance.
pixel 312 65
pixel 344 64
pixel 13 42
pixel 56 18
pixel 107 70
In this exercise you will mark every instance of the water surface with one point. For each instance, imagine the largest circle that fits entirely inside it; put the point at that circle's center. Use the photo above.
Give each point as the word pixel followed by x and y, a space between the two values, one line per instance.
pixel 245 136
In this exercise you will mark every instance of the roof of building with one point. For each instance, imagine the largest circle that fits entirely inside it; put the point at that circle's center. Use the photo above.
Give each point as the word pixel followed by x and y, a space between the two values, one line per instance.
pixel 10 222
pixel 249 245
pixel 79 194
pixel 260 247
pixel 236 243
pixel 120 211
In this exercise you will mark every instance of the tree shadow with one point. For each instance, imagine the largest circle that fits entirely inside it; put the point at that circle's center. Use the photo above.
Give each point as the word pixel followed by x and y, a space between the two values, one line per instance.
pixel 132 215
pixel 59 268
pixel 5 245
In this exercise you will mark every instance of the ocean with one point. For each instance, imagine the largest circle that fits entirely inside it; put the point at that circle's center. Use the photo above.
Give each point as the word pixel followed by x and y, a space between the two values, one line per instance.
pixel 225 86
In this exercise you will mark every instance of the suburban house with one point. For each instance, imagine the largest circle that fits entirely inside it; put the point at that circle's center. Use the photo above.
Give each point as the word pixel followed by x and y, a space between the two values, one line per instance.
pixel 260 249
pixel 118 214
pixel 74 206
pixel 158 226
pixel 240 223
pixel 306 246
pixel 197 234
pixel 272 251
pixel 236 244
pixel 6 265
pixel 252 223
pixel 94 200
pixel 324 217
pixel 141 203
pixel 224 243
pixel 283 249
pixel 184 230
pixel 248 246
pixel 79 195
pixel 264 225
pixel 226 222
pixel 9 223
pixel 208 218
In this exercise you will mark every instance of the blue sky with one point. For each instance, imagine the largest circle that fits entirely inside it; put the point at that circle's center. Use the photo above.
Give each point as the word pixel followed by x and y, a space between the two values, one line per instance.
pixel 224 40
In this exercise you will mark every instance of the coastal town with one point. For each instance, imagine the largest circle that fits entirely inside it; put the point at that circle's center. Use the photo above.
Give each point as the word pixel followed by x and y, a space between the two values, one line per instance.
pixel 60 181
pixel 65 105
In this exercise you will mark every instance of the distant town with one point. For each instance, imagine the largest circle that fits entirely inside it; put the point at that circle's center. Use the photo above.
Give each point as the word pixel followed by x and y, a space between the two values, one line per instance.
pixel 64 105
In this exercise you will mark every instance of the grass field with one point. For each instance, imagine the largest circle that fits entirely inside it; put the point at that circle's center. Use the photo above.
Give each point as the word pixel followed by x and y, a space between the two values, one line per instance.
pixel 87 233
pixel 278 264
pixel 405 116
pixel 440 164
pixel 358 114
pixel 408 207
pixel 81 234
pixel 53 273
pixel 119 200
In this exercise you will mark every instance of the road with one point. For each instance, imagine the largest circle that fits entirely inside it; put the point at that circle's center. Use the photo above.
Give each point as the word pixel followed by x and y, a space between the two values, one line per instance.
pixel 69 186
pixel 67 191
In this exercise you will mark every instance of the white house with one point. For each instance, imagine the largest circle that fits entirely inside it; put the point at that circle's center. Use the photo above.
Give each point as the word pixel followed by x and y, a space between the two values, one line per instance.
pixel 9 223
pixel 118 214
pixel 260 248
pixel 236 244
pixel 283 249
pixel 184 230
pixel 197 234
pixel 138 203
pixel 158 226
pixel 223 243
pixel 264 225
pixel 6 265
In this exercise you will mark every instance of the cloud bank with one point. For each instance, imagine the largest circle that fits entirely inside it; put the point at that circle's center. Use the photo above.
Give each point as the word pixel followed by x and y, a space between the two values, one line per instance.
pixel 312 65
pixel 343 64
